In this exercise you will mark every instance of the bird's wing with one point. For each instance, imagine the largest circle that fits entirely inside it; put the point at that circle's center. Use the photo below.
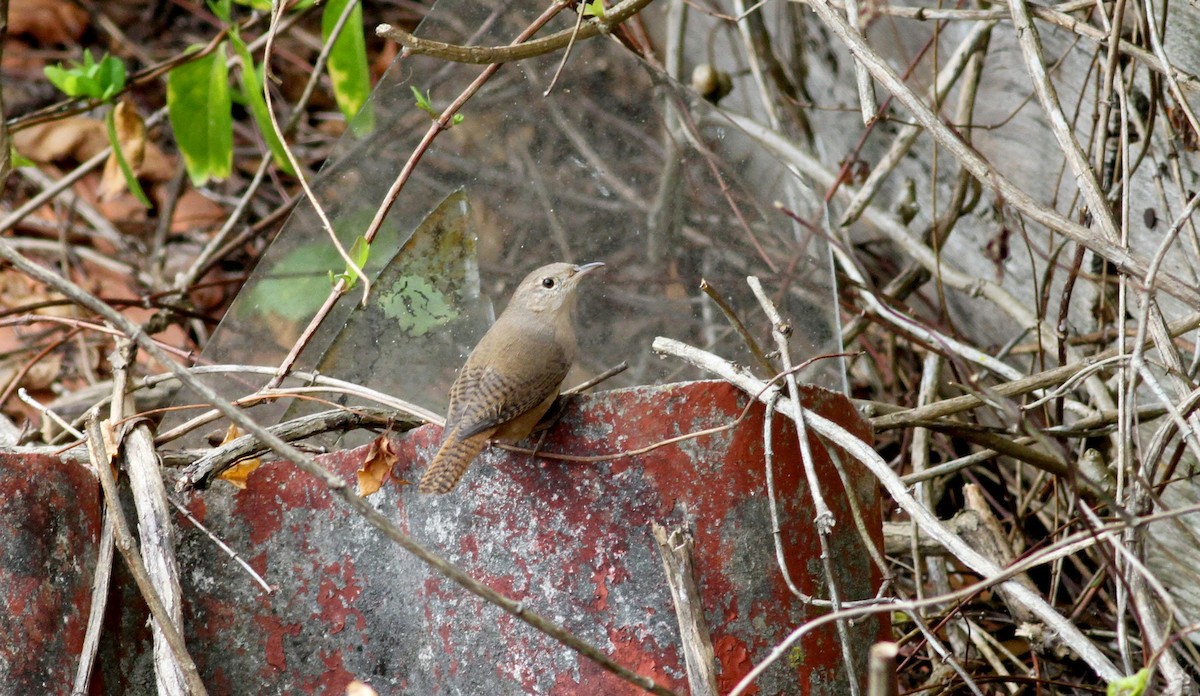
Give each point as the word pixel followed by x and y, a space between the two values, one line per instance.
pixel 488 395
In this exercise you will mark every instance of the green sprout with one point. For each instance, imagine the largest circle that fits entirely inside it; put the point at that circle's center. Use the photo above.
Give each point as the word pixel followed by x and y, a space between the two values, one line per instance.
pixel 424 104
pixel 359 252
pixel 101 80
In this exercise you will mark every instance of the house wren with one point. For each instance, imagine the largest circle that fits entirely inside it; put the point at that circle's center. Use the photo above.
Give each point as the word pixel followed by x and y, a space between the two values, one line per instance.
pixel 514 375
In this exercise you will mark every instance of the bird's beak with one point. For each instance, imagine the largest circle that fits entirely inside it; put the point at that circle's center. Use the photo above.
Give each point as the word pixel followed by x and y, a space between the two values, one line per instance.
pixel 583 269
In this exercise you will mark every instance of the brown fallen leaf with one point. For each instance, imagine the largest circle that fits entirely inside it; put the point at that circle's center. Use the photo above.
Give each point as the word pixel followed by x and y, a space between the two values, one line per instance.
pixel 49 22
pixel 111 443
pixel 74 138
pixel 376 466
pixel 131 134
pixel 240 472
pixel 18 292
pixel 193 211
pixel 35 377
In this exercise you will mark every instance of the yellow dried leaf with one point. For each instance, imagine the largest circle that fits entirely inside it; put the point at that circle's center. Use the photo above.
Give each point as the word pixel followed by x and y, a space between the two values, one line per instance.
pixel 376 466
pixel 231 434
pixel 131 133
pixel 238 473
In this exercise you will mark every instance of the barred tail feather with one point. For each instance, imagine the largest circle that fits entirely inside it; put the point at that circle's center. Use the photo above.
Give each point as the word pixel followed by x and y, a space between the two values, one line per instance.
pixel 451 462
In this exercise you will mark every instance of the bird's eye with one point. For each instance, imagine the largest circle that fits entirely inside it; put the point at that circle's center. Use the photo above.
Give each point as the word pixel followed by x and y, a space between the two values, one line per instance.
pixel 547 283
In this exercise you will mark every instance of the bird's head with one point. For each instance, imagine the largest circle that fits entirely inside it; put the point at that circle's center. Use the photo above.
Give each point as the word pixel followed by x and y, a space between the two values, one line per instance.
pixel 551 288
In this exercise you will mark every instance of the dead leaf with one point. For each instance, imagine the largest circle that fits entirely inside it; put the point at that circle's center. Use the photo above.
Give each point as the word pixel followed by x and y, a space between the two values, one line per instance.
pixel 111 446
pixel 36 377
pixel 157 166
pixel 131 134
pixel 1189 138
pixel 240 472
pixel 50 22
pixel 18 291
pixel 125 212
pixel 110 443
pixel 376 466
pixel 194 211
pixel 231 433
pixel 75 138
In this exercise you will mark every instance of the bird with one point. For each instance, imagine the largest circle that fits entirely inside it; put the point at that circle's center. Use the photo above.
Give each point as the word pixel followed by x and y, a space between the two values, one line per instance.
pixel 513 375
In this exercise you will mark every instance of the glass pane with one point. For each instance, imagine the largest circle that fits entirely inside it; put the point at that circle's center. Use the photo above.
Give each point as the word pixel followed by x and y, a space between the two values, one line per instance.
pixel 617 165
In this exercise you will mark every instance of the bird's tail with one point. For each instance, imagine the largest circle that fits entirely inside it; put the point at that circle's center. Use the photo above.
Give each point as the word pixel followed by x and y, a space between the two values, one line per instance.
pixel 451 462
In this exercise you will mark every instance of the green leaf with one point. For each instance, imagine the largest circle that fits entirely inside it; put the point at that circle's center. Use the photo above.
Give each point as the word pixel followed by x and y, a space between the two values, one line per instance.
pixel 223 9
pixel 126 171
pixel 198 107
pixel 252 93
pixel 260 5
pixel 425 104
pixel 1133 685
pixel 423 101
pixel 348 57
pixel 19 160
pixel 110 75
pixel 69 82
pixel 90 79
pixel 595 8
pixel 359 252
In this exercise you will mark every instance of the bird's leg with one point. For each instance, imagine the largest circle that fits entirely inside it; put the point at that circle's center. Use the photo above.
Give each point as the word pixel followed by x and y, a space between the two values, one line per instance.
pixel 549 419
pixel 553 414
pixel 556 410
pixel 540 441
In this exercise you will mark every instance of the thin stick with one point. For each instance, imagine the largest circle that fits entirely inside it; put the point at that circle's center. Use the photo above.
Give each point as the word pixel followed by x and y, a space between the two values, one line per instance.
pixel 675 547
pixel 1085 177
pixel 1051 377
pixel 47 412
pixel 603 376
pixel 222 545
pixel 1055 622
pixel 567 53
pixel 202 472
pixel 91 639
pixel 823 518
pixel 102 461
pixel 755 349
pixel 156 533
pixel 481 55
pixel 987 174
pixel 773 500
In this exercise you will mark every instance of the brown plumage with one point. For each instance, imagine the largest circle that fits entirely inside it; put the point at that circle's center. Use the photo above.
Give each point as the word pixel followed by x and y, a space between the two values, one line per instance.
pixel 513 376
